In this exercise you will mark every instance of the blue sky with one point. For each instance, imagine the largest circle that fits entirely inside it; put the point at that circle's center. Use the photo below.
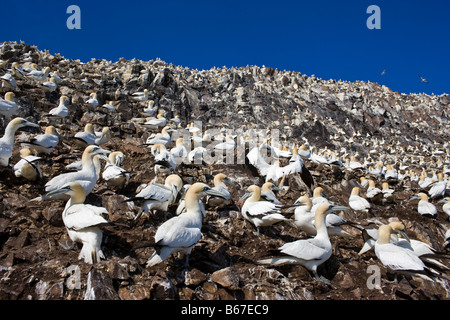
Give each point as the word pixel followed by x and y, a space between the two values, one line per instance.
pixel 326 38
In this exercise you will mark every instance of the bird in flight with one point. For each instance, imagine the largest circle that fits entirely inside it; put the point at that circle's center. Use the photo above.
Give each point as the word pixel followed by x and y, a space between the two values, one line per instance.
pixel 423 79
pixel 382 73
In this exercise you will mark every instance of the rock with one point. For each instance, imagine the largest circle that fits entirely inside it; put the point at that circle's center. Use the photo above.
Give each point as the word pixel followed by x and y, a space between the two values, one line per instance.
pixel 99 286
pixel 194 277
pixel 134 292
pixel 227 278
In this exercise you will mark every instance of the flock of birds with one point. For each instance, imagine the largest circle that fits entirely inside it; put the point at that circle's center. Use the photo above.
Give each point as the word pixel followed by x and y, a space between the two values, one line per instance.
pixel 312 213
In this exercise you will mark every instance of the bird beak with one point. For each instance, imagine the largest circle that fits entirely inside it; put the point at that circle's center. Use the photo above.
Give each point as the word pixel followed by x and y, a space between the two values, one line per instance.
pixel 275 188
pixel 246 195
pixel 414 198
pixel 442 201
pixel 336 208
pixel 403 234
pixel 103 157
pixel 227 180
pixel 51 194
pixel 31 124
pixel 102 151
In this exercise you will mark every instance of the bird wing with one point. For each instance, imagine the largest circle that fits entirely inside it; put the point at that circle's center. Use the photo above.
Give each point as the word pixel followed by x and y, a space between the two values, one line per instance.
pixel 397 258
pixel 305 249
pixel 175 233
pixel 256 160
pixel 293 167
pixel 80 216
pixel 262 208
pixel 155 191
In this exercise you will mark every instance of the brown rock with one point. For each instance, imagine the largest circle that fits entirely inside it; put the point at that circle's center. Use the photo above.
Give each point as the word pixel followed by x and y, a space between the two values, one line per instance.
pixel 227 278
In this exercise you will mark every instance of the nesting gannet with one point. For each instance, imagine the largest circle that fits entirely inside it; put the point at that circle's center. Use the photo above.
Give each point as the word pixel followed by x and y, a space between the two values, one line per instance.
pixel 140 96
pixel 179 151
pixel 267 192
pixel 159 121
pixel 92 101
pixel 8 106
pixel 113 174
pixel 157 196
pixel 395 257
pixel 388 193
pixel 38 75
pixel 228 145
pixel 44 143
pixel 102 137
pixel 304 219
pixel 162 138
pixel 358 203
pixel 28 167
pixel 163 157
pixel 220 181
pixel 438 188
pixel 8 81
pixel 182 232
pixel 260 213
pixel 82 221
pixel 446 206
pixel 424 207
pixel 87 176
pixel 86 137
pixel 391 173
pixel 372 191
pixel 197 155
pixel 7 141
pixel 304 152
pixel 50 85
pixel 61 111
pixel 311 252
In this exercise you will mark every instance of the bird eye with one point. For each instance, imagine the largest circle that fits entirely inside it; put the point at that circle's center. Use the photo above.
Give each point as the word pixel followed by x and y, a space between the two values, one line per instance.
pixel 205 188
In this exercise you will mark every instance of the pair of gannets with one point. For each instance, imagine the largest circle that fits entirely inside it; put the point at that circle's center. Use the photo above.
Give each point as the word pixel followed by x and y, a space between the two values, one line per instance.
pixel 7 141
pixel 183 231
pixel 311 252
pixel 113 174
pixel 82 221
pixel 158 196
pixel 87 176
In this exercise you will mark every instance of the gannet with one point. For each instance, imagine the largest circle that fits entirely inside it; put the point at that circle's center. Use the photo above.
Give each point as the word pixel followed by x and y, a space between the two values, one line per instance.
pixel 372 191
pixel 157 196
pixel 82 221
pixel 7 141
pixel 267 192
pixel 446 206
pixel 102 137
pixel 220 181
pixel 438 188
pixel 358 203
pixel 395 257
pixel 50 85
pixel 311 252
pixel 424 207
pixel 179 151
pixel 390 173
pixel 304 219
pixel 258 212
pixel 92 101
pixel 61 111
pixel 295 164
pixel 197 155
pixel 28 167
pixel 162 138
pixel 159 121
pixel 227 145
pixel 318 198
pixel 182 232
pixel 44 143
pixel 163 156
pixel 140 96
pixel 304 152
pixel 38 75
pixel 87 176
pixel 86 137
pixel 8 81
pixel 113 174
pixel 8 106
pixel 388 193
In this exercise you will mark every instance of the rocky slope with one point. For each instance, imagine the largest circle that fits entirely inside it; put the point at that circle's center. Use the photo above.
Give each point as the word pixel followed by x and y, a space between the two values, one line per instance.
pixel 353 118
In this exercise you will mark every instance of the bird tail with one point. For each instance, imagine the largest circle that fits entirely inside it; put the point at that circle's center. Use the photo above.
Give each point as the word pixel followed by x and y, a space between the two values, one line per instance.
pixel 91 254
pixel 159 256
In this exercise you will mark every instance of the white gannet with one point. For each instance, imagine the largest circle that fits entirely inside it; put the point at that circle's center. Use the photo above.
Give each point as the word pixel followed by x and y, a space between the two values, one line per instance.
pixel 310 252
pixel 220 181
pixel 50 85
pixel 140 96
pixel 372 191
pixel 179 151
pixel 267 192
pixel 8 81
pixel 44 143
pixel 182 232
pixel 163 157
pixel 388 193
pixel 28 167
pixel 86 137
pixel 38 75
pixel 295 164
pixel 260 213
pixel 395 257
pixel 102 137
pixel 8 106
pixel 162 137
pixel 318 198
pixel 7 141
pixel 228 145
pixel 358 203
pixel 197 155
pixel 159 121
pixel 92 101
pixel 438 188
pixel 113 174
pixel 304 219
pixel 158 196
pixel 424 207
pixel 87 176
pixel 61 111
pixel 82 221
pixel 446 206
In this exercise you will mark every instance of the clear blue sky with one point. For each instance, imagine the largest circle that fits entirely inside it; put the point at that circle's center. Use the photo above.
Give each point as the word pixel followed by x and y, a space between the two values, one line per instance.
pixel 326 38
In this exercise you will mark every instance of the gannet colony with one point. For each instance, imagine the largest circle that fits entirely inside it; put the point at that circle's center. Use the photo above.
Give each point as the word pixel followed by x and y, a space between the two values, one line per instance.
pixel 145 180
